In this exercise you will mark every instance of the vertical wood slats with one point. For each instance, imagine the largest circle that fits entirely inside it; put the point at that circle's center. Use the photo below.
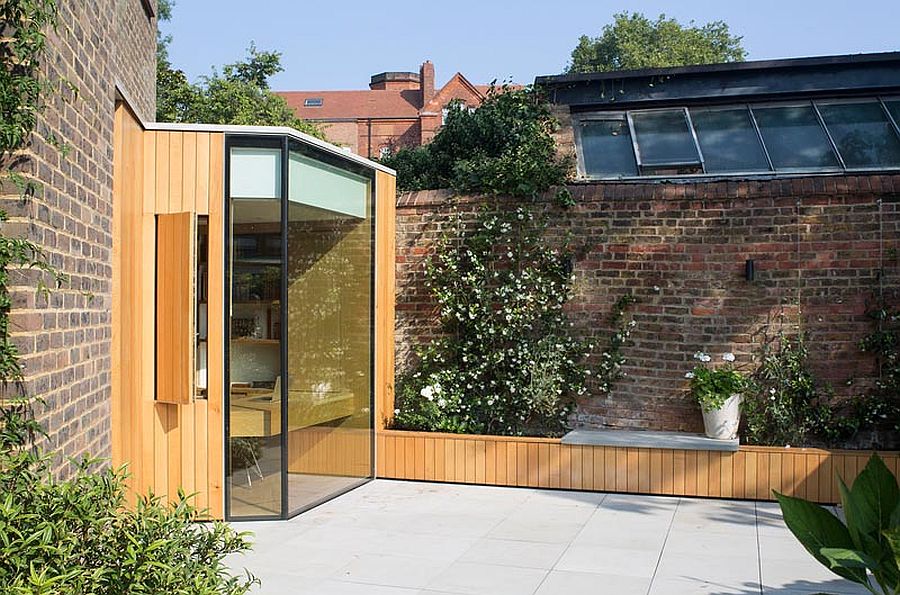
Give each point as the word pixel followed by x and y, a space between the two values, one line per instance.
pixel 385 264
pixel 750 473
pixel 166 447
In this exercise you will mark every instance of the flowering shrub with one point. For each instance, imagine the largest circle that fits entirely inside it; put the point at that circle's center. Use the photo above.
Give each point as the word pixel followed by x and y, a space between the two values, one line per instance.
pixel 505 364
pixel 713 386
pixel 785 405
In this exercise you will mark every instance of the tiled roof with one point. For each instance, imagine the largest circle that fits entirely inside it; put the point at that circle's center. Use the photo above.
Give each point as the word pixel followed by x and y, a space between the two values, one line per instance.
pixel 355 104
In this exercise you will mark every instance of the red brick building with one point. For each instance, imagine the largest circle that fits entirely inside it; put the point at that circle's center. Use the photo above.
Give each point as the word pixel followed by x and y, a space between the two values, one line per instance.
pixel 400 109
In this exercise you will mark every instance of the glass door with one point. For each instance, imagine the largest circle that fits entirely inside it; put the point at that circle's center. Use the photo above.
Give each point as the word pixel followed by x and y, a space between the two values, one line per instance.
pixel 300 324
pixel 329 329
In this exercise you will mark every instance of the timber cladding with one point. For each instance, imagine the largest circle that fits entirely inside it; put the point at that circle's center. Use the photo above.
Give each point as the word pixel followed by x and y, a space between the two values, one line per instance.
pixel 750 473
pixel 168 177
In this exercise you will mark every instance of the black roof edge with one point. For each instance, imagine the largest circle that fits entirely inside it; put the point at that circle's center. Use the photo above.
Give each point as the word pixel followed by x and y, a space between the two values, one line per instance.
pixel 813 61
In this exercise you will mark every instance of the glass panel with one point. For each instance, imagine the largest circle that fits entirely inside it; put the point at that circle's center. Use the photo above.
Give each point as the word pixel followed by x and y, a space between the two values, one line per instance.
pixel 863 134
pixel 255 348
pixel 321 185
pixel 728 140
pixel 794 138
pixel 329 330
pixel 664 138
pixel 606 148
pixel 255 172
pixel 893 106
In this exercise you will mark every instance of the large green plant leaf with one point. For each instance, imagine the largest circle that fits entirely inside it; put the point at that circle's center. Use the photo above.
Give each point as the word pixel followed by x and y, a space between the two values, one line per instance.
pixel 872 499
pixel 870 507
pixel 816 528
pixel 893 538
pixel 842 558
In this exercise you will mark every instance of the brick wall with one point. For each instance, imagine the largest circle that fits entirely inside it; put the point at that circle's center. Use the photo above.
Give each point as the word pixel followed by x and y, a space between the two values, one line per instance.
pixel 681 248
pixel 65 340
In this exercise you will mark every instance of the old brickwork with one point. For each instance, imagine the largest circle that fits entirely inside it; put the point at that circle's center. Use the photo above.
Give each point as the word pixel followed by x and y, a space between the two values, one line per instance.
pixel 681 249
pixel 99 47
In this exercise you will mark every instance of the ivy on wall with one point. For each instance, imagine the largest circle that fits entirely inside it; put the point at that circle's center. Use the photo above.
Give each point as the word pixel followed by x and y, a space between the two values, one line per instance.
pixel 23 27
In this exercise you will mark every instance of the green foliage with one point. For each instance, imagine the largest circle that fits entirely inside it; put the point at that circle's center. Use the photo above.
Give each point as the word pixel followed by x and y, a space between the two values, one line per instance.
pixel 711 387
pixel 633 41
pixel 18 253
pixel 240 94
pixel 784 404
pixel 22 96
pixel 612 359
pixel 868 540
pixel 79 537
pixel 505 364
pixel 884 343
pixel 22 41
pixel 504 146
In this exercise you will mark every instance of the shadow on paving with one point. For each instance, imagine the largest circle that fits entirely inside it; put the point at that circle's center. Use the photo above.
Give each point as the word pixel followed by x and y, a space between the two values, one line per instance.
pixel 801 587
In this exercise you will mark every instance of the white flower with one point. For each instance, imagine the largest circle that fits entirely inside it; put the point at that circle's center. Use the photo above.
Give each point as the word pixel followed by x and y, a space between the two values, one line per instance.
pixel 728 357
pixel 689 375
pixel 702 357
pixel 772 390
pixel 396 412
pixel 441 403
pixel 428 393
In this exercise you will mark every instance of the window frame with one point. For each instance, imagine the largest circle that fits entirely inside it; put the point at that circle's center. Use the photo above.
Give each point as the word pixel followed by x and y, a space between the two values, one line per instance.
pixel 856 100
pixel 582 117
pixel 756 130
pixel 610 116
pixel 636 146
pixel 799 103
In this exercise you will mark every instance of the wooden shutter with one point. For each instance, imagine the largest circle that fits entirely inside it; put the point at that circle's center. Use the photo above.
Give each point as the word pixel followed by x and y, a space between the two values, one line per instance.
pixel 175 307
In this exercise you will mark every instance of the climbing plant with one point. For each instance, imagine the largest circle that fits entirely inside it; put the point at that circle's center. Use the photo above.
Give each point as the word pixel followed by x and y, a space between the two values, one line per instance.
pixel 23 30
pixel 506 363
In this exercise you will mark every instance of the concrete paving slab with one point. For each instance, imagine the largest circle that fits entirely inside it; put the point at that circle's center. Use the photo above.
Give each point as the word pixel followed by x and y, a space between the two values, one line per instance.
pixel 408 538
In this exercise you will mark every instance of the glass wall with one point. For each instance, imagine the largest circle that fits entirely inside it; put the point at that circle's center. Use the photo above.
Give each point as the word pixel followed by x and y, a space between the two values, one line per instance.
pixel 300 344
pixel 329 329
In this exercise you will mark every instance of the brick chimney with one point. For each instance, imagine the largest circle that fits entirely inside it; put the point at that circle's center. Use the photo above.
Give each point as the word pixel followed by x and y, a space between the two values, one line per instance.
pixel 426 81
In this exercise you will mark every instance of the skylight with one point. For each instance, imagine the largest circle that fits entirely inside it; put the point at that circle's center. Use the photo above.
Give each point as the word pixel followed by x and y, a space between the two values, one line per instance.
pixel 799 136
pixel 313 102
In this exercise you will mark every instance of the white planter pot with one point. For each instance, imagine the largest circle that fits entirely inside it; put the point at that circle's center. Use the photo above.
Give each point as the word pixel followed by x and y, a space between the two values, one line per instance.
pixel 722 423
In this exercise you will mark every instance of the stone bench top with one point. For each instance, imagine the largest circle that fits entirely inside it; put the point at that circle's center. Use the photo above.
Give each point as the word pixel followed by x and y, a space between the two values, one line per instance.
pixel 646 439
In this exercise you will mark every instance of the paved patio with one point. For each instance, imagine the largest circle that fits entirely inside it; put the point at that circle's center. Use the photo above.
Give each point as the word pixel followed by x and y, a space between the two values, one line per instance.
pixel 404 538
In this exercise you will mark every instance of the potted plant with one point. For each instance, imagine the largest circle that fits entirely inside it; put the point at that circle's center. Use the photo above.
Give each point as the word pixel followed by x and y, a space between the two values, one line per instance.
pixel 718 391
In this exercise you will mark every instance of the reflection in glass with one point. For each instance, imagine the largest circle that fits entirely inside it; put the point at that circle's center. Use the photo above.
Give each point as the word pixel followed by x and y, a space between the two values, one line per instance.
pixel 606 148
pixel 329 276
pixel 863 134
pixel 794 138
pixel 664 138
pixel 255 336
pixel 894 107
pixel 728 140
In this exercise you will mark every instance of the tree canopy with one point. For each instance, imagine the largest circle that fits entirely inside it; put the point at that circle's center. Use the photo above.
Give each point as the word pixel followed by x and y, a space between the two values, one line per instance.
pixel 634 41
pixel 504 146
pixel 239 94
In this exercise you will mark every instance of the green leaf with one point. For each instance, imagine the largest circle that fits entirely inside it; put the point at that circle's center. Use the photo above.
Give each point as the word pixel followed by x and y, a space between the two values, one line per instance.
pixel 816 528
pixel 870 507
pixel 872 500
pixel 844 558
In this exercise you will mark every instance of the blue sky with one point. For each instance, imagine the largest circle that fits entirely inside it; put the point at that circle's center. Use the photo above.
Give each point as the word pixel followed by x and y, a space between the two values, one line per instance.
pixel 339 45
